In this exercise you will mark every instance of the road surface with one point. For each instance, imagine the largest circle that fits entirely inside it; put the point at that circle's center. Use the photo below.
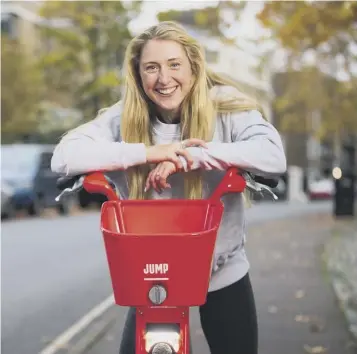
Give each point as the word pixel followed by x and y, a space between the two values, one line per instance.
pixel 54 271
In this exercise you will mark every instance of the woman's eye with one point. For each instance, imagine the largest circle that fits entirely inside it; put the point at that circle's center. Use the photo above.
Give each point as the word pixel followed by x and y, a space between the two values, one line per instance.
pixel 175 65
pixel 151 68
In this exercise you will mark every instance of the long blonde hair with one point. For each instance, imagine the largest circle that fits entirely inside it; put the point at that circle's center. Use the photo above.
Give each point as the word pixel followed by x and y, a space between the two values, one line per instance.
pixel 198 109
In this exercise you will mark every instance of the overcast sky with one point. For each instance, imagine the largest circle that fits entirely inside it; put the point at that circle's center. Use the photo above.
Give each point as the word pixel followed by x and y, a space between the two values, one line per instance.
pixel 248 26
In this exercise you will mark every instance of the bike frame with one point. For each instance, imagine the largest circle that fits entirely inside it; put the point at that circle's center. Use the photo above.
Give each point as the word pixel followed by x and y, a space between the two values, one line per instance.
pixel 160 256
pixel 161 302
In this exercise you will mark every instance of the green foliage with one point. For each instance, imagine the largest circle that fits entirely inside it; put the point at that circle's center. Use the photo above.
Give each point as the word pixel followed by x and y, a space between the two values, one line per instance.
pixel 21 90
pixel 301 25
pixel 324 31
pixel 86 42
pixel 216 20
pixel 301 95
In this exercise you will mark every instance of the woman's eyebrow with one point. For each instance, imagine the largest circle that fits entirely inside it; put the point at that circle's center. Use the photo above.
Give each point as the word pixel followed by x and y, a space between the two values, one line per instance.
pixel 154 62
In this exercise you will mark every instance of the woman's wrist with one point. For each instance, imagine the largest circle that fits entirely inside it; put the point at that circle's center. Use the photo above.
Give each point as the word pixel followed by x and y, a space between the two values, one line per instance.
pixel 148 153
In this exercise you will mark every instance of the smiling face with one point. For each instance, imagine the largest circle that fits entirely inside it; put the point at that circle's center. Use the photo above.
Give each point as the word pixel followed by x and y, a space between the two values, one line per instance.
pixel 166 74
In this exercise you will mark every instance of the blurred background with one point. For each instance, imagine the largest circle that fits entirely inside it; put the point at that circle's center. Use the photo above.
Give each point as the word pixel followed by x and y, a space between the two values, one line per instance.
pixel 61 63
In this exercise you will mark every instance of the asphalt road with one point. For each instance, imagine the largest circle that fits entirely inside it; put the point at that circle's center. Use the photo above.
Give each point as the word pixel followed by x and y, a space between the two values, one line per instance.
pixel 54 271
pixel 297 310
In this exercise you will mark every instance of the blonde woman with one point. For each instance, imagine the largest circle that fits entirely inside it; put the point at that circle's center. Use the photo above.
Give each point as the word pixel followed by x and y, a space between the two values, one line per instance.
pixel 177 129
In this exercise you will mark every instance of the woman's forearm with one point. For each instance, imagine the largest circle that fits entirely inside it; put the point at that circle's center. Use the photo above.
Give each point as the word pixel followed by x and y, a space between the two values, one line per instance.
pixel 76 156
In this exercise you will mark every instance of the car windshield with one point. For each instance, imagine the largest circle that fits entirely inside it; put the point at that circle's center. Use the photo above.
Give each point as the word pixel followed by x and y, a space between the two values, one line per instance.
pixel 16 161
pixel 45 160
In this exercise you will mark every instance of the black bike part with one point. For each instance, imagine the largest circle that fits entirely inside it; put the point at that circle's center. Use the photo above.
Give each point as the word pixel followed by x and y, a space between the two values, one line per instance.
pixel 66 182
pixel 269 182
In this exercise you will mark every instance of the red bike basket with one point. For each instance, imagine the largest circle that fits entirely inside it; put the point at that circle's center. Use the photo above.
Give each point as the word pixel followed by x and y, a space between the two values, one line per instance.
pixel 168 242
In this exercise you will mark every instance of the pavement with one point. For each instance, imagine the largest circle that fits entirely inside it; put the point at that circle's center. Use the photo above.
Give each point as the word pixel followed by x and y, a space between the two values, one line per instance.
pixel 341 264
pixel 55 276
pixel 298 310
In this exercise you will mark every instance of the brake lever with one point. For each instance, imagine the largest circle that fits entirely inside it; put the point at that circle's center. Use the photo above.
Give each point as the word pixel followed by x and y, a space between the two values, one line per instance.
pixel 257 187
pixel 260 188
pixel 77 186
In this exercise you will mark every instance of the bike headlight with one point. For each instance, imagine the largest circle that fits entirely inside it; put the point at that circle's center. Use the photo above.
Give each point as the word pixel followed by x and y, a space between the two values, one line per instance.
pixel 162 342
pixel 161 348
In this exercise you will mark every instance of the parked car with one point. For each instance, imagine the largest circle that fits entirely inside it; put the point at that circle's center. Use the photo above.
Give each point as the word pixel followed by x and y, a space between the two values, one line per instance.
pixel 27 169
pixel 321 189
pixel 7 203
pixel 281 190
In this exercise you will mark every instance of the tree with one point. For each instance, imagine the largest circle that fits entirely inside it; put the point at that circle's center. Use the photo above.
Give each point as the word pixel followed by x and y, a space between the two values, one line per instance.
pixel 86 41
pixel 326 29
pixel 21 91
pixel 311 101
pixel 218 20
pixel 318 38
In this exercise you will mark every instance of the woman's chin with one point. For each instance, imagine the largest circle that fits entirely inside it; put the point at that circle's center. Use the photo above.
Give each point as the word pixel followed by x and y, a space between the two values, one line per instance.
pixel 167 107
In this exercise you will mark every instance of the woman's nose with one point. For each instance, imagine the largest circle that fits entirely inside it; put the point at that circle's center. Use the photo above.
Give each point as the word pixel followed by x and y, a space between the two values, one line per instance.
pixel 164 76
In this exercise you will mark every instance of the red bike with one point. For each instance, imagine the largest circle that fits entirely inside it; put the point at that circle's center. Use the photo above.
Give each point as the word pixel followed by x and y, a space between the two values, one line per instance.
pixel 160 254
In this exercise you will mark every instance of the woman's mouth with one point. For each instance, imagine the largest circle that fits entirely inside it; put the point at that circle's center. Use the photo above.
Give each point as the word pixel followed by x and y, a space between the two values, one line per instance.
pixel 167 91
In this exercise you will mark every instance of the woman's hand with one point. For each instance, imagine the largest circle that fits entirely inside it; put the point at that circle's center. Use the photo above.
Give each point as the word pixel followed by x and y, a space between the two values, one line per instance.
pixel 157 178
pixel 171 152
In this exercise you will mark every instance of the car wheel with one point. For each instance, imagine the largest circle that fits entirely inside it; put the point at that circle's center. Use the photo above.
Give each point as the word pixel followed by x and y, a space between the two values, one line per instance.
pixel 64 208
pixel 9 212
pixel 84 200
pixel 36 207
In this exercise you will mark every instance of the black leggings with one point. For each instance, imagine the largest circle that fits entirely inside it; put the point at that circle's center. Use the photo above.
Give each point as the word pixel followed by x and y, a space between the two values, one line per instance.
pixel 228 320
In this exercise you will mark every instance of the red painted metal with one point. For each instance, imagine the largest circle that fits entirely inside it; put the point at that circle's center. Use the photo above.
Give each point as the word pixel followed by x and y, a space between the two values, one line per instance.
pixel 161 242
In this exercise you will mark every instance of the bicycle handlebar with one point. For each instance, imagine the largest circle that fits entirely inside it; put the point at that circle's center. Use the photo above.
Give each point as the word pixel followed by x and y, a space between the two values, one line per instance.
pixel 270 182
pixel 68 181
pixel 233 181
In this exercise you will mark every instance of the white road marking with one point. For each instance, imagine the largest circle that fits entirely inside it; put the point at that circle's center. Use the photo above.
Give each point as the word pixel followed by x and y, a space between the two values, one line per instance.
pixel 62 340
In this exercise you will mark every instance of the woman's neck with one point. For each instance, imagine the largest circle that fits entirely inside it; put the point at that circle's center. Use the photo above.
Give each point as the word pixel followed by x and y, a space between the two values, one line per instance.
pixel 168 117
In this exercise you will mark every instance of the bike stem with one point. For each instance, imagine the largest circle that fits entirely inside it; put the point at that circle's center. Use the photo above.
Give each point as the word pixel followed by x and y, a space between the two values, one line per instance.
pixel 162 315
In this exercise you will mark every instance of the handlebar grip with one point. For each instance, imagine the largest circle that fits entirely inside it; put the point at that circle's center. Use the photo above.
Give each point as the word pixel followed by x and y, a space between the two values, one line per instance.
pixel 66 182
pixel 270 182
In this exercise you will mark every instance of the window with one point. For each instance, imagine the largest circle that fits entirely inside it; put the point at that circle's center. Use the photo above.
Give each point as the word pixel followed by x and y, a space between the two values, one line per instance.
pixel 45 160
pixel 211 56
pixel 9 25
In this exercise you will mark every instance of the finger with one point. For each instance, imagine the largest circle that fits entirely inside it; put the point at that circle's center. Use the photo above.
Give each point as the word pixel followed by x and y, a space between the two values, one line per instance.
pixel 167 170
pixel 186 155
pixel 159 170
pixel 164 174
pixel 153 179
pixel 148 180
pixel 194 142
pixel 159 179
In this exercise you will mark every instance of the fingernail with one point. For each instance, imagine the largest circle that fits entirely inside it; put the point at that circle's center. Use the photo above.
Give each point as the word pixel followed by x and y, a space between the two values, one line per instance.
pixel 145 189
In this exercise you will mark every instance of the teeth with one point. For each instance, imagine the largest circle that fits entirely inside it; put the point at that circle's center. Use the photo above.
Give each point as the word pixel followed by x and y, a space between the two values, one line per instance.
pixel 167 91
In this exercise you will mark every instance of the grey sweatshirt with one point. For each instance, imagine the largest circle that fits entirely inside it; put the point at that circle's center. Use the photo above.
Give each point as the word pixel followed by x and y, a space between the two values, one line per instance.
pixel 242 139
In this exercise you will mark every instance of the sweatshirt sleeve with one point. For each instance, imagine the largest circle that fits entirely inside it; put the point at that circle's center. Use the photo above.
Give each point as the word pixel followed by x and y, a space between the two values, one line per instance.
pixel 256 147
pixel 96 146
